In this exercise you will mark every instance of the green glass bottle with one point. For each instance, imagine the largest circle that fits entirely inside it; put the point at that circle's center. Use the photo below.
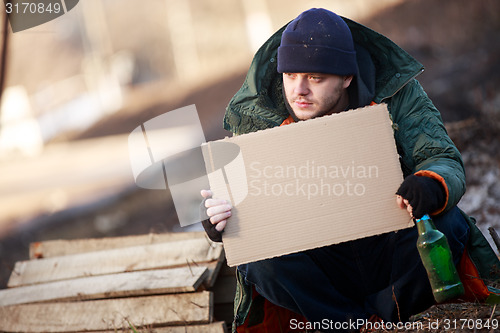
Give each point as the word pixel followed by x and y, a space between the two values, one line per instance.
pixel 438 261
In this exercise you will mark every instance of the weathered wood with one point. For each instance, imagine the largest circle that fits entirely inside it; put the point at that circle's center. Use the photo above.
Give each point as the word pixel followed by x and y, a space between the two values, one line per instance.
pixel 217 327
pixel 213 270
pixel 184 279
pixel 179 309
pixel 56 248
pixel 127 259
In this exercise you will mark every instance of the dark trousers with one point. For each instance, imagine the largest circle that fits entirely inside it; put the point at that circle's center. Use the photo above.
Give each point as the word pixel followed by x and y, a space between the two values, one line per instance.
pixel 381 275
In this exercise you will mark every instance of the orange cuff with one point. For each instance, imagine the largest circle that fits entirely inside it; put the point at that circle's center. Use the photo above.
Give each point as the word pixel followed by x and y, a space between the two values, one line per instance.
pixel 433 175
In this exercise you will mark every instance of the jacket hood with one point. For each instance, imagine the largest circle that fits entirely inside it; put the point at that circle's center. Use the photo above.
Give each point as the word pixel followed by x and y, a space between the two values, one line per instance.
pixel 384 69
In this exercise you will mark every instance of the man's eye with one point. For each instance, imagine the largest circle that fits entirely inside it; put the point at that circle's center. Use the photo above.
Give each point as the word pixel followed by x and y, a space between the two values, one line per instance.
pixel 290 75
pixel 315 78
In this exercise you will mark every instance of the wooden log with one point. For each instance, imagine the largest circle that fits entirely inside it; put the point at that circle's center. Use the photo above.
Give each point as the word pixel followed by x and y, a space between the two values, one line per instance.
pixel 165 310
pixel 217 327
pixel 120 260
pixel 184 279
pixel 214 269
pixel 56 248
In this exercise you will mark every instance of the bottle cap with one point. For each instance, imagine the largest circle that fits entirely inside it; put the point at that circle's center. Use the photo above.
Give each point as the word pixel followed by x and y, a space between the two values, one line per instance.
pixel 423 218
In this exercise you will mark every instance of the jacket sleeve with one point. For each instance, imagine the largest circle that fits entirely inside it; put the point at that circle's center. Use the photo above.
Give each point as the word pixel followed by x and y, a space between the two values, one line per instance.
pixel 423 143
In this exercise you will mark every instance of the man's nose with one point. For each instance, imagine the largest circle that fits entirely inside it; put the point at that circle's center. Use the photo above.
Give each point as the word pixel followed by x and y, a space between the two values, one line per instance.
pixel 302 86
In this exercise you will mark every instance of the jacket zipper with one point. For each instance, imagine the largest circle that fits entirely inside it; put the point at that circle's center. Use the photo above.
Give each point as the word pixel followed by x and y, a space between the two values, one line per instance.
pixel 240 299
pixel 403 85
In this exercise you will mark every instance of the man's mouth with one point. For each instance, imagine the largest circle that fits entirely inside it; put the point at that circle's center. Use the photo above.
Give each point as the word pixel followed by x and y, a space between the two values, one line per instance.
pixel 302 104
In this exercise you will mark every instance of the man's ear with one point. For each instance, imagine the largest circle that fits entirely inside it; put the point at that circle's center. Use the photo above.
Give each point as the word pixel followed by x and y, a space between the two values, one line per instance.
pixel 347 81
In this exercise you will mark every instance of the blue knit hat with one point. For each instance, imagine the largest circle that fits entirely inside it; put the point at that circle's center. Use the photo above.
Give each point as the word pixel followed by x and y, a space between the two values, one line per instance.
pixel 317 41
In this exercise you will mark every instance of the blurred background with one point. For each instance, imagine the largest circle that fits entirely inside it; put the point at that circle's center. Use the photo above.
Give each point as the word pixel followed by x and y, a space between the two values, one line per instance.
pixel 75 87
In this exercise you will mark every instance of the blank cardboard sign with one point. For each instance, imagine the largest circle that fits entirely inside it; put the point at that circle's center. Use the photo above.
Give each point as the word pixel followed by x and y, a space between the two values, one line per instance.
pixel 307 184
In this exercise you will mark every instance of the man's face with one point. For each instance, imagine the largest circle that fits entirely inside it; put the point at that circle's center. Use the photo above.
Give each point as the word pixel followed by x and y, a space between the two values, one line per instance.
pixel 311 95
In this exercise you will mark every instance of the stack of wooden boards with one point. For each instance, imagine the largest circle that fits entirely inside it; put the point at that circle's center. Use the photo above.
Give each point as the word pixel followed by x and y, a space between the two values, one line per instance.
pixel 147 283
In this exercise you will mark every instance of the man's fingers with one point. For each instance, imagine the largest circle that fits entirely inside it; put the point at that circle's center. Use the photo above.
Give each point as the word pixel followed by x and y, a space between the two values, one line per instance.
pixel 220 209
pixel 220 217
pixel 221 225
pixel 404 204
pixel 409 208
pixel 206 193
pixel 216 202
pixel 399 201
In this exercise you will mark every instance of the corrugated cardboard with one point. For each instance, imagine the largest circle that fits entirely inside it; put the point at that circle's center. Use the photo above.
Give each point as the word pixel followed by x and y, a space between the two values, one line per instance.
pixel 308 184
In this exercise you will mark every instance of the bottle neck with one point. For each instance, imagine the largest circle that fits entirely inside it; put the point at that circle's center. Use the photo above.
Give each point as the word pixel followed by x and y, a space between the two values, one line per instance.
pixel 424 224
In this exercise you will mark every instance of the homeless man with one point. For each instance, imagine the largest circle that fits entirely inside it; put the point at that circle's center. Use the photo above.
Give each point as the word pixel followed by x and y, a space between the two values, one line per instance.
pixel 320 64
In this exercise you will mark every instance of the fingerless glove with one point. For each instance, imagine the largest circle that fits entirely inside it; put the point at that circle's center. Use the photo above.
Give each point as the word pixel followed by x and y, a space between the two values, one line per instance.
pixel 425 194
pixel 212 233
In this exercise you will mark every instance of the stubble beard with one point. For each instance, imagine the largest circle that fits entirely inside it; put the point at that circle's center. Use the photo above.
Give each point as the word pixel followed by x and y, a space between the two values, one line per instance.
pixel 329 106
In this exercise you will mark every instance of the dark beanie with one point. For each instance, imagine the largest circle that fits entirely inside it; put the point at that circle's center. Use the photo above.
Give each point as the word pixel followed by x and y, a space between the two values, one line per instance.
pixel 317 41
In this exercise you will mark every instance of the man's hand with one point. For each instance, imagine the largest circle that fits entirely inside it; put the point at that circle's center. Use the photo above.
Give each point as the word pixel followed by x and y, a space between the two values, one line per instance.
pixel 420 195
pixel 217 213
pixel 404 204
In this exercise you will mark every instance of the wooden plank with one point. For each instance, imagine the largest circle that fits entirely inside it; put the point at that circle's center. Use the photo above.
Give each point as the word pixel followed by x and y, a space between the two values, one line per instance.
pixel 184 279
pixel 127 259
pixel 56 248
pixel 165 310
pixel 213 270
pixel 217 327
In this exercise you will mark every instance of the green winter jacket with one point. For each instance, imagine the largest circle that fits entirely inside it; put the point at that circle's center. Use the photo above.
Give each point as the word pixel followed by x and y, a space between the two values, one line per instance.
pixel 421 138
